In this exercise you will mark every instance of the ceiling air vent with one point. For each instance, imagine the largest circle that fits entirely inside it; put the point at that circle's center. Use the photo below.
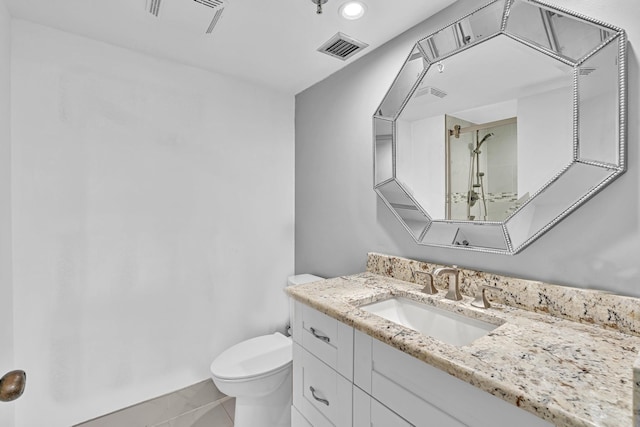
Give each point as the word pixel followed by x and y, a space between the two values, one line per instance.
pixel 214 4
pixel 214 21
pixel 153 6
pixel 200 16
pixel 342 46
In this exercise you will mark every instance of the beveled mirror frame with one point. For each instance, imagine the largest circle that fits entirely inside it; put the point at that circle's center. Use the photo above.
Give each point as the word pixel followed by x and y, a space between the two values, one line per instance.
pixel 552 202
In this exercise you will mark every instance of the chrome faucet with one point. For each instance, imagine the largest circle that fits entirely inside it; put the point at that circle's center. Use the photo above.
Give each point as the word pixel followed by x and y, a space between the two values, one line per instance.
pixel 429 288
pixel 454 285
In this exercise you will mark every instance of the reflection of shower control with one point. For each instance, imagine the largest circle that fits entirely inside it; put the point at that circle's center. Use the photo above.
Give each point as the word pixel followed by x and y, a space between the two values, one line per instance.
pixel 472 197
pixel 460 239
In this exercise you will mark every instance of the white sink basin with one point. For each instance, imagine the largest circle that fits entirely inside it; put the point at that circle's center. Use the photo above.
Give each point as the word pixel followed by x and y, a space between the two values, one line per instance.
pixel 443 325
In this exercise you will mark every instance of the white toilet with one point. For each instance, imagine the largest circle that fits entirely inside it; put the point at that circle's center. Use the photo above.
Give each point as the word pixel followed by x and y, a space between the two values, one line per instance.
pixel 258 373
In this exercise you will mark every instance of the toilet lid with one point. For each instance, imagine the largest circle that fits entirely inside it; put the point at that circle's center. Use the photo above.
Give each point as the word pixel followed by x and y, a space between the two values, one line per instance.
pixel 255 357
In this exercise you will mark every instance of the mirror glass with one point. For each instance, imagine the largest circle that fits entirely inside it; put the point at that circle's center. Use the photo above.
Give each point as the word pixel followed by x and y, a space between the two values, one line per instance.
pixel 499 125
pixel 599 107
pixel 410 214
pixel 469 124
pixel 411 71
pixel 383 150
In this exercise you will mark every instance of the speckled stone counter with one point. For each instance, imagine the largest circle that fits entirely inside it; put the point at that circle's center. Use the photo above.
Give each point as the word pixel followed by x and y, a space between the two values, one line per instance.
pixel 569 373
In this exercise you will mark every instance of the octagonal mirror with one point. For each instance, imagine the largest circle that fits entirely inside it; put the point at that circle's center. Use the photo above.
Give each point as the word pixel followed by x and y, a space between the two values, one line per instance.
pixel 500 125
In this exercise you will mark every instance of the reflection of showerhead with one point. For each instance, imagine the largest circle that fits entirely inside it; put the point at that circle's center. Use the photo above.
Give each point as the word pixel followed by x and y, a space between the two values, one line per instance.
pixel 487 136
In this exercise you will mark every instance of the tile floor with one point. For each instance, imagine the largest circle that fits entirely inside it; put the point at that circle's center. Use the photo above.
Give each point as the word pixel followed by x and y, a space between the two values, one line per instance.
pixel 199 405
pixel 216 414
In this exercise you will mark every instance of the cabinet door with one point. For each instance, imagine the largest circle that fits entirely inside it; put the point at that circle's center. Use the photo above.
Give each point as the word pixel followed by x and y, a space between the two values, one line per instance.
pixel 428 390
pixel 297 420
pixel 426 396
pixel 321 395
pixel 418 411
pixel 362 363
pixel 368 412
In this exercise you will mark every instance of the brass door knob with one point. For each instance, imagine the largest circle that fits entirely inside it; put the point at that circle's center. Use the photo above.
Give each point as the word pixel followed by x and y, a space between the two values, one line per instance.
pixel 12 385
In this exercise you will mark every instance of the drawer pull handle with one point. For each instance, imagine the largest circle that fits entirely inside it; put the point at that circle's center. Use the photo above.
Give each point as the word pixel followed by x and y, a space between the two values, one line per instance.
pixel 320 336
pixel 319 399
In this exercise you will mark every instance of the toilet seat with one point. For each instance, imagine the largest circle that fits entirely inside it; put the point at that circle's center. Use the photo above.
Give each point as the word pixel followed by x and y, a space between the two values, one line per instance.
pixel 254 358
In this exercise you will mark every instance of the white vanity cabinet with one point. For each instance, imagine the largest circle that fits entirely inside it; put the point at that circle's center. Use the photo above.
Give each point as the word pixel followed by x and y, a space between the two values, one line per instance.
pixel 345 378
pixel 322 370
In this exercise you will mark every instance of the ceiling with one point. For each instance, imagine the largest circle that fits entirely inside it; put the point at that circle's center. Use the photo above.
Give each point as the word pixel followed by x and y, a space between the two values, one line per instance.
pixel 270 42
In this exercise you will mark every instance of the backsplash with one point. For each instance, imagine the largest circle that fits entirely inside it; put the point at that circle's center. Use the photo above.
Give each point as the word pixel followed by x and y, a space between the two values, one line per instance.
pixel 581 305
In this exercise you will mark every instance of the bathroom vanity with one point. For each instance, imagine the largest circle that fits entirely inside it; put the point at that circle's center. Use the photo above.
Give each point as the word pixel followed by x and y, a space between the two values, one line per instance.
pixel 344 377
pixel 532 366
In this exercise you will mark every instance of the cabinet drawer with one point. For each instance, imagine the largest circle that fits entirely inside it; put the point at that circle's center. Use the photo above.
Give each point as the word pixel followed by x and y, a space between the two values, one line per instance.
pixel 322 396
pixel 329 340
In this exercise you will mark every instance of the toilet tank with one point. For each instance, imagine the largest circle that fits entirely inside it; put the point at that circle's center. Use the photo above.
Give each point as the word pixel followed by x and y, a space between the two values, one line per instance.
pixel 298 279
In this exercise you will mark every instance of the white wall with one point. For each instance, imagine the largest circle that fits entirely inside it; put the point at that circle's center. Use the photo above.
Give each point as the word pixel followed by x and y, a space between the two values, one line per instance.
pixel 544 119
pixel 428 184
pixel 339 218
pixel 6 291
pixel 153 221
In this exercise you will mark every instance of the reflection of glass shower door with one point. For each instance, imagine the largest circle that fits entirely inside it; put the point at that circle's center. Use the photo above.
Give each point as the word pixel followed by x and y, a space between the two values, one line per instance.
pixel 457 179
pixel 482 182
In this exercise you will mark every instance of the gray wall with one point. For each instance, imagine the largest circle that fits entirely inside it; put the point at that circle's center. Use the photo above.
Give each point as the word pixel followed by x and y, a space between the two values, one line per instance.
pixel 339 217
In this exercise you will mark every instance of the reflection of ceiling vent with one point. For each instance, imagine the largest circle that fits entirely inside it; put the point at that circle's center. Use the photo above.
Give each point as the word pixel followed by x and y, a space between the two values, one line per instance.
pixel 342 46
pixel 430 90
pixel 201 15
pixel 405 207
pixel 585 71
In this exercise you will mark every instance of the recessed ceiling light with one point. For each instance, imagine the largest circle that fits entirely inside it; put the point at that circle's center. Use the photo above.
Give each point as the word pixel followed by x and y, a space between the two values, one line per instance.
pixel 353 10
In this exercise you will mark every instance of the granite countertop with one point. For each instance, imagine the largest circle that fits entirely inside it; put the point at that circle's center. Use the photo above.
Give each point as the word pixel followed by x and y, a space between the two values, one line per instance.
pixel 571 374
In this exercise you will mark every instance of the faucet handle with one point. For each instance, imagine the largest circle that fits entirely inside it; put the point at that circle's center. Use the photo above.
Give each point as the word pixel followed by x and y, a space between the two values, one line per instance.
pixel 429 288
pixel 481 300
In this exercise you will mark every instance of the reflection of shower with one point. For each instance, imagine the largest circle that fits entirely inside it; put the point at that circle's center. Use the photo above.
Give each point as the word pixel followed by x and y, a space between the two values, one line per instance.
pixel 487 136
pixel 476 178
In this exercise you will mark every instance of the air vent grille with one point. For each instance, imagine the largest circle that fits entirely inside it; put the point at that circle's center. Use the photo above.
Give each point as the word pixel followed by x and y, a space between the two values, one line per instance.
pixel 201 16
pixel 153 6
pixel 342 46
pixel 430 90
pixel 214 4
pixel 585 71
pixel 214 21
